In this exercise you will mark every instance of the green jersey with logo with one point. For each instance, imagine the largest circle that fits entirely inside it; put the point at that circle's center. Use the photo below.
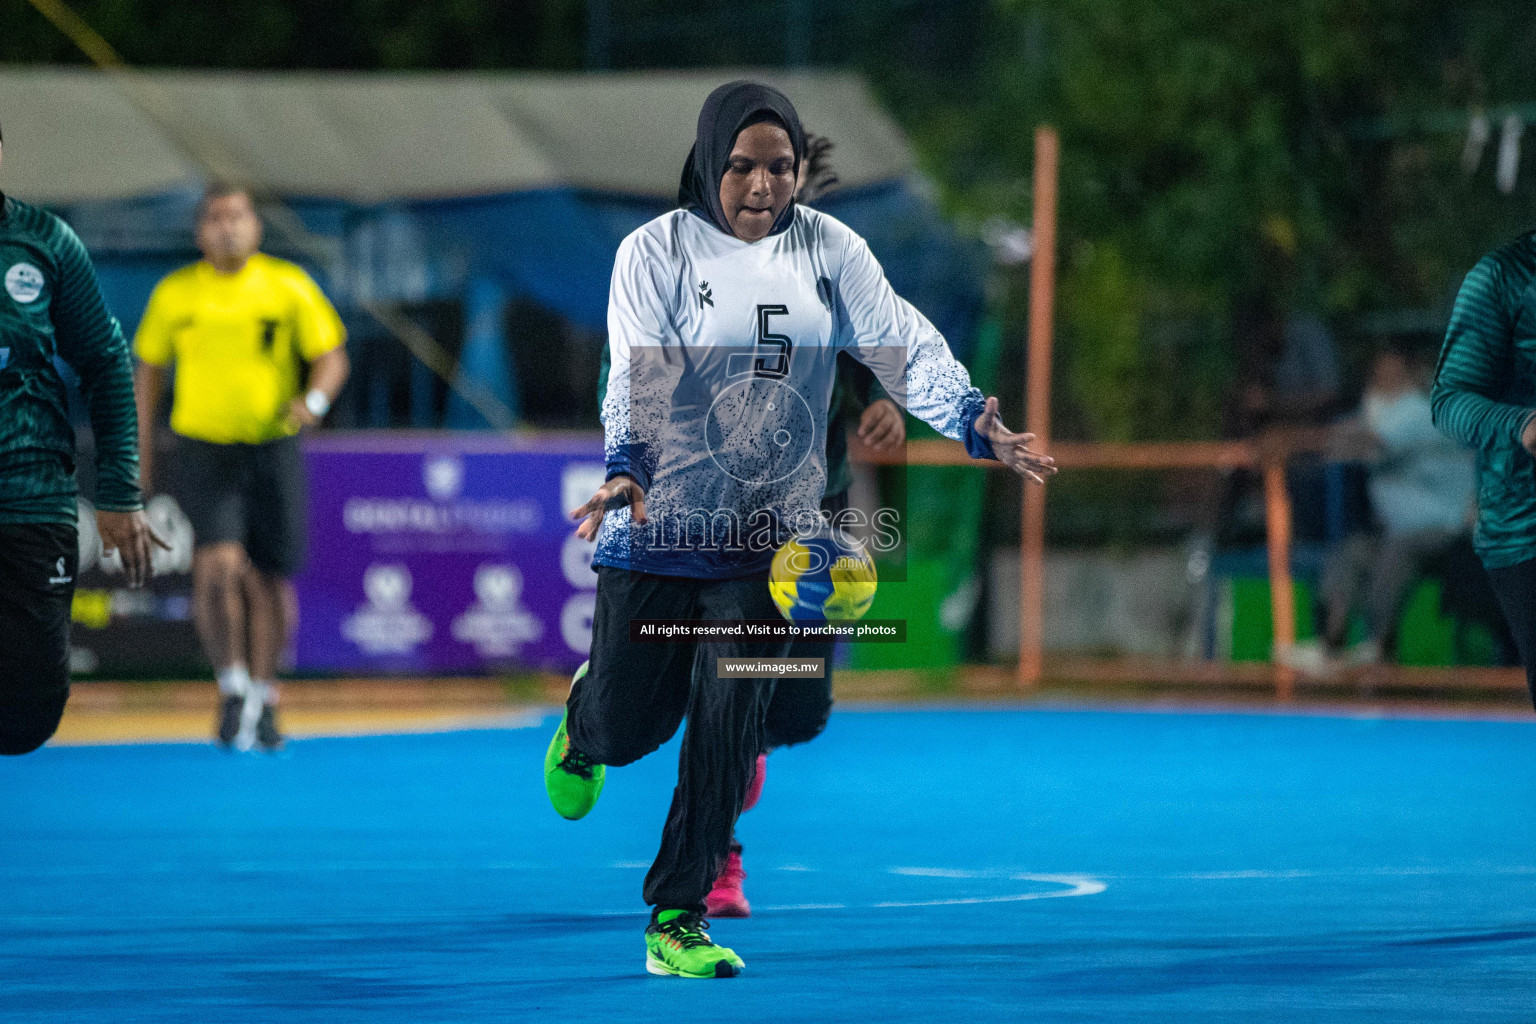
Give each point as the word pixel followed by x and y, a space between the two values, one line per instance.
pixel 51 306
pixel 1485 394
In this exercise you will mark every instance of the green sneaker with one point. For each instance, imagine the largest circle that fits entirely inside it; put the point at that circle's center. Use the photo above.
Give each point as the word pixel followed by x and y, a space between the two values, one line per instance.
pixel 677 943
pixel 572 779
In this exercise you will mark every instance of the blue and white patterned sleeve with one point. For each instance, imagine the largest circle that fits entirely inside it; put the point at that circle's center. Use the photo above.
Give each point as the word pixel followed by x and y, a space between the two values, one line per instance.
pixel 639 324
pixel 907 353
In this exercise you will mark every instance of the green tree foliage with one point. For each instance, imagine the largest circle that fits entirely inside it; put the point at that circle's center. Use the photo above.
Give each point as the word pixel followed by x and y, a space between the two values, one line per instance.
pixel 1201 139
pixel 359 34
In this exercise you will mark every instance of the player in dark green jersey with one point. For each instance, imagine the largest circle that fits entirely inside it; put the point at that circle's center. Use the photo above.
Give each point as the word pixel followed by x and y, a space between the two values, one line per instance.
pixel 1485 397
pixel 51 308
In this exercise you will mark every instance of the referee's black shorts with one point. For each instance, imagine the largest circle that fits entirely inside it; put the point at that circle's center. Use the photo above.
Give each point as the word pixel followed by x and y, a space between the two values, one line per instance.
pixel 38 562
pixel 251 494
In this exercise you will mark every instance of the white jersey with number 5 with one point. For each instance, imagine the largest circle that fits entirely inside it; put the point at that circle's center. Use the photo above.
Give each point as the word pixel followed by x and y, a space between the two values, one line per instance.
pixel 724 358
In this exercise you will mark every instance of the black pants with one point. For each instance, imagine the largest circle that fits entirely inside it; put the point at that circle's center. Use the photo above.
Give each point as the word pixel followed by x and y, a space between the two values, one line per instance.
pixel 251 494
pixel 635 695
pixel 800 708
pixel 1516 588
pixel 38 562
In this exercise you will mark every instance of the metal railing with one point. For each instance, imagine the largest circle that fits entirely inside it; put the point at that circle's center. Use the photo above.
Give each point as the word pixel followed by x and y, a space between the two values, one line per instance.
pixel 1267 455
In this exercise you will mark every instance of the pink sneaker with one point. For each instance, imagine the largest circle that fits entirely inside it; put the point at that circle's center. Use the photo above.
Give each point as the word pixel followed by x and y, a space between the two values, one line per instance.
pixel 726 898
pixel 755 787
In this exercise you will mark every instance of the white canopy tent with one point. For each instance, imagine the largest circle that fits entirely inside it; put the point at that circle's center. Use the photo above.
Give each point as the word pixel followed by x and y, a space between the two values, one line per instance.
pixel 470 189
pixel 78 136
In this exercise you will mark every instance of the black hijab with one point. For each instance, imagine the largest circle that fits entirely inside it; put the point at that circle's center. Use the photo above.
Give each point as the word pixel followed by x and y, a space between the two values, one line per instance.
pixel 728 110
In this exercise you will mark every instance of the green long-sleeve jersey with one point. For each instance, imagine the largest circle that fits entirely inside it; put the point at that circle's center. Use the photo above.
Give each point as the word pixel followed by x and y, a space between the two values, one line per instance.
pixel 51 305
pixel 1485 395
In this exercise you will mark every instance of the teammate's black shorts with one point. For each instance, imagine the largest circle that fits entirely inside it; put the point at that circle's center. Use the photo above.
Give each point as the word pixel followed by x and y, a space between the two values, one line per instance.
pixel 38 562
pixel 1516 588
pixel 251 494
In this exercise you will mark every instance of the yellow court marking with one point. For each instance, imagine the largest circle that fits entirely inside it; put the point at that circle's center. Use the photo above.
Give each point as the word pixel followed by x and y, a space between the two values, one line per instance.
pixel 85 728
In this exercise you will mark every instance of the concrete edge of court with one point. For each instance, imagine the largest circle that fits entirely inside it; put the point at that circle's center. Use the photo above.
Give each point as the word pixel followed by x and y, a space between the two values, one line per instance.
pixel 107 712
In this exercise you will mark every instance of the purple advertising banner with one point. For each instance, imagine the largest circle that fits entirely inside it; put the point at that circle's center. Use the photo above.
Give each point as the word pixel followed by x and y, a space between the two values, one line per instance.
pixel 446 553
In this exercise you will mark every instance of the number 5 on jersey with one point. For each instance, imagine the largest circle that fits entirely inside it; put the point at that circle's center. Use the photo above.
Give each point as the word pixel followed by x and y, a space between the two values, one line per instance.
pixel 773 351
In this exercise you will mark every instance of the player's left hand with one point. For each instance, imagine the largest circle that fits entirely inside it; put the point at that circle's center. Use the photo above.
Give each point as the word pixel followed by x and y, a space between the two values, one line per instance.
pixel 621 490
pixel 1011 449
pixel 882 426
pixel 301 414
pixel 130 535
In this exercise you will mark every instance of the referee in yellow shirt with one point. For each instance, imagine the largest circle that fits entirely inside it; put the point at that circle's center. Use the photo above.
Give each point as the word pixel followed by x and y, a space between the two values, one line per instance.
pixel 240 328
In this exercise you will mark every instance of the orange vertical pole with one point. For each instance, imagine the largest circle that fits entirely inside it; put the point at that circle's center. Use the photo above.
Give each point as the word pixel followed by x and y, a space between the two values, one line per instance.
pixel 1042 298
pixel 1282 602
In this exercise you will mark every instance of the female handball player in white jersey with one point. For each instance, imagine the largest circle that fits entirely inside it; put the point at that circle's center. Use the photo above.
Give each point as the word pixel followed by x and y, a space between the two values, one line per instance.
pixel 725 318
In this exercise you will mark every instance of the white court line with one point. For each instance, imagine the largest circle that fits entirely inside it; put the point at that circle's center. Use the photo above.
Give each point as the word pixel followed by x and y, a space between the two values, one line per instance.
pixel 1268 873
pixel 1231 875
pixel 1076 885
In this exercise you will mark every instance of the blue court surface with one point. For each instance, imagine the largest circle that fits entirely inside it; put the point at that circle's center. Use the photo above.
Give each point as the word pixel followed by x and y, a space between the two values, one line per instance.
pixel 971 865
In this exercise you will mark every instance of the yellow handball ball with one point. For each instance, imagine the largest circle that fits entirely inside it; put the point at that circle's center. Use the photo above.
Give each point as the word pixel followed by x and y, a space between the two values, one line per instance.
pixel 825 574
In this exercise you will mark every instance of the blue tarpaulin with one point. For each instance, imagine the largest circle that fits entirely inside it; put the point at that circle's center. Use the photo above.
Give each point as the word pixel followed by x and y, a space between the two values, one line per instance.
pixel 554 246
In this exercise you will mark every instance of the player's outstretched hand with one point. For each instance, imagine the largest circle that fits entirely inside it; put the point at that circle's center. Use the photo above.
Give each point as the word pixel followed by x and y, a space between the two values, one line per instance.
pixel 1011 449
pixel 130 535
pixel 616 493
pixel 882 426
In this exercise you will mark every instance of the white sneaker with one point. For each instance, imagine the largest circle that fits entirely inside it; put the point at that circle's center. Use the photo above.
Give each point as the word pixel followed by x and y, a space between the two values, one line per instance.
pixel 1364 654
pixel 257 697
pixel 1309 657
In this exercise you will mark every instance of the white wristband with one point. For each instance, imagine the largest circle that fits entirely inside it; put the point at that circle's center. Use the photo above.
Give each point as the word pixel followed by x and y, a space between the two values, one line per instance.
pixel 318 403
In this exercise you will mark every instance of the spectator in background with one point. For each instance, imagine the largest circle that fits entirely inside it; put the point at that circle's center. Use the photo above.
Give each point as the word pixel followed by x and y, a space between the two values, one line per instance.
pixel 1288 372
pixel 1287 362
pixel 1287 379
pixel 1421 488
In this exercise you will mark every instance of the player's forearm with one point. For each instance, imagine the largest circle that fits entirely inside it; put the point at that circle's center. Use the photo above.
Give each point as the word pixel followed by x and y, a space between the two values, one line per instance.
pixel 329 372
pixel 940 393
pixel 108 391
pixel 91 341
pixel 1474 363
pixel 1476 420
pixel 624 453
pixel 148 391
pixel 1462 403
